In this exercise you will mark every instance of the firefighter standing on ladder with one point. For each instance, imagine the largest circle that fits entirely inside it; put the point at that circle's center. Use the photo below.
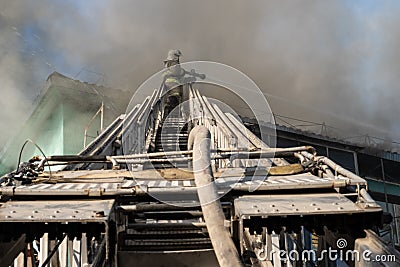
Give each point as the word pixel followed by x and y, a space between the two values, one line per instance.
pixel 173 79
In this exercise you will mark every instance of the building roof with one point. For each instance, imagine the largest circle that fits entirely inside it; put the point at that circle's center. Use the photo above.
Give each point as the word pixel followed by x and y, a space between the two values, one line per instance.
pixel 83 94
pixel 61 90
pixel 326 140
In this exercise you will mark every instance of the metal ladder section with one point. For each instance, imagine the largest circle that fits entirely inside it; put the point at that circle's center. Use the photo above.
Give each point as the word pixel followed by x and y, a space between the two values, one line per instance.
pixel 227 132
pixel 173 136
pixel 161 227
pixel 156 230
pixel 128 133
pixel 101 145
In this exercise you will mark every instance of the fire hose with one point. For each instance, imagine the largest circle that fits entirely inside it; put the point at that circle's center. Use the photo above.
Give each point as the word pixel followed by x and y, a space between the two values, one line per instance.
pixel 224 248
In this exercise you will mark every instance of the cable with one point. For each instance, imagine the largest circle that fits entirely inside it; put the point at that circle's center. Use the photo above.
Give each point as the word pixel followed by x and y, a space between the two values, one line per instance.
pixel 47 261
pixel 41 151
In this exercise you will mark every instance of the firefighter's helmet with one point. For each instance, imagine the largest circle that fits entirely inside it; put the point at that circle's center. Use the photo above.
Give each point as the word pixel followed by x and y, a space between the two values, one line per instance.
pixel 173 55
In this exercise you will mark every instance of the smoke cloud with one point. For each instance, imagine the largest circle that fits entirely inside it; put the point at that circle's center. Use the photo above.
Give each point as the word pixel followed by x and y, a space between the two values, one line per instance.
pixel 324 61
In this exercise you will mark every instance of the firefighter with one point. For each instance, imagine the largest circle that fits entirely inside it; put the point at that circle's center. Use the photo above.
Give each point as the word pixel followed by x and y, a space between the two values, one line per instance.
pixel 173 79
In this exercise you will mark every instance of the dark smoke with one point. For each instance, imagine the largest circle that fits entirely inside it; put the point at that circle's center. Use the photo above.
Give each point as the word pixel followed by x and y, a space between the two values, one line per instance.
pixel 324 61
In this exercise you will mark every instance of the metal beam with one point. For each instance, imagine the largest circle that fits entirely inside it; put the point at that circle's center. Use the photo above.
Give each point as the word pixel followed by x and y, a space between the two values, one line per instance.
pixel 9 251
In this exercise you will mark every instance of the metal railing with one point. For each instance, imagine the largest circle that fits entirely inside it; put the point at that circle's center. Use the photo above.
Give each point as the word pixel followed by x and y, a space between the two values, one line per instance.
pixel 142 123
pixel 99 112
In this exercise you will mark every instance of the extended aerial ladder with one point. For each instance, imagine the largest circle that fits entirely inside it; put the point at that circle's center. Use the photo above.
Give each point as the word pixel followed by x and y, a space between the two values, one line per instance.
pixel 131 198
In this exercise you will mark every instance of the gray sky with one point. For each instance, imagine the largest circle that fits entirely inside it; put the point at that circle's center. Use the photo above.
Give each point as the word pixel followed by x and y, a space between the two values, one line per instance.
pixel 324 61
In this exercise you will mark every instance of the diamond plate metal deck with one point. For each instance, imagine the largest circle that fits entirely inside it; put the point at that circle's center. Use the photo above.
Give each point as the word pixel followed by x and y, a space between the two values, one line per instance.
pixel 296 204
pixel 56 211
